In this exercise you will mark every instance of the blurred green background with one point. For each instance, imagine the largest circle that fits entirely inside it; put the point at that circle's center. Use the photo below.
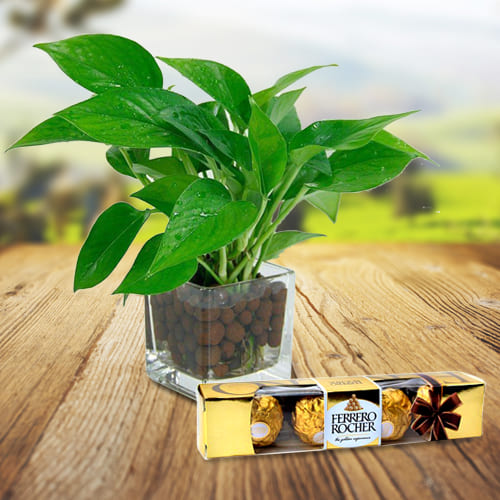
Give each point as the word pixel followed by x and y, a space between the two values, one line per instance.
pixel 393 56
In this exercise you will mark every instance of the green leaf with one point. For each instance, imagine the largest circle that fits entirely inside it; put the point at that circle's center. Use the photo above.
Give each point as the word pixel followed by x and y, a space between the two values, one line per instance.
pixel 232 145
pixel 159 167
pixel 280 106
pixel 338 135
pixel 102 62
pixel 391 141
pixel 284 239
pixel 326 201
pixel 107 242
pixel 216 110
pixel 197 160
pixel 289 126
pixel 302 155
pixel 129 117
pixel 264 96
pixel 54 129
pixel 203 219
pixel 189 120
pixel 220 82
pixel 317 167
pixel 116 158
pixel 141 281
pixel 268 147
pixel 366 167
pixel 163 193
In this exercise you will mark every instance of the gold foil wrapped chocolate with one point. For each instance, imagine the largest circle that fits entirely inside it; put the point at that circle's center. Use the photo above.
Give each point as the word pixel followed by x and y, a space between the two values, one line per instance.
pixel 434 413
pixel 423 392
pixel 308 420
pixel 396 415
pixel 266 420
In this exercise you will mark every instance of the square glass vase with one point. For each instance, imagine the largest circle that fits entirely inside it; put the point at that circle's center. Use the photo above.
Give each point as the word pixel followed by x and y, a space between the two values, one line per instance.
pixel 231 333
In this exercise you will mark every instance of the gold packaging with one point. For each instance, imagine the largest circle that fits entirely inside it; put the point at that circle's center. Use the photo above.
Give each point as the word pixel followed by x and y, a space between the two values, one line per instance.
pixel 396 417
pixel 454 409
pixel 309 420
pixel 286 416
pixel 266 420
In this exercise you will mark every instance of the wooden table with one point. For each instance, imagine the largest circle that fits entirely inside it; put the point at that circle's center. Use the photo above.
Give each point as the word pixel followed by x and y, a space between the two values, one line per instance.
pixel 79 417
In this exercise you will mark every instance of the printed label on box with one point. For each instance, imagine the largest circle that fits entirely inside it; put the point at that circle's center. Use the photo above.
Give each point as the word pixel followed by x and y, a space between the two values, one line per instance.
pixel 353 422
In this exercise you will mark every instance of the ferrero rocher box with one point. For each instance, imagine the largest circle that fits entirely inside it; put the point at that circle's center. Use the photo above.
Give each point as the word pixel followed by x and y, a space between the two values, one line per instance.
pixel 284 416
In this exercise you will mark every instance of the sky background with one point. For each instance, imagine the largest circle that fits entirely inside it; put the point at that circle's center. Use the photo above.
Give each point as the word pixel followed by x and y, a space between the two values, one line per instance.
pixel 442 58
pixel 437 56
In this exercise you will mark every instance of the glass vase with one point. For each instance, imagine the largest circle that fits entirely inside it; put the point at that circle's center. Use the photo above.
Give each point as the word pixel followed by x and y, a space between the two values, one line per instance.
pixel 237 332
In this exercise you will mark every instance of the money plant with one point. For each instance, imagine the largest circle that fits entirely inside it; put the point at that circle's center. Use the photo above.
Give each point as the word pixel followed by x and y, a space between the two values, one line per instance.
pixel 237 164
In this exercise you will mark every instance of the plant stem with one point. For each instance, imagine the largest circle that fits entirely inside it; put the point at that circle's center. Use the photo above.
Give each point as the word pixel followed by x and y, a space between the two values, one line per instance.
pixel 241 265
pixel 223 264
pixel 251 253
pixel 186 161
pixel 261 258
pixel 218 174
pixel 242 242
pixel 290 204
pixel 140 177
pixel 278 197
pixel 210 270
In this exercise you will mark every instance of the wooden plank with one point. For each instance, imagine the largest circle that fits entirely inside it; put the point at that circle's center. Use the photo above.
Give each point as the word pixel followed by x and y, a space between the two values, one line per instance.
pixel 46 336
pixel 407 309
pixel 82 420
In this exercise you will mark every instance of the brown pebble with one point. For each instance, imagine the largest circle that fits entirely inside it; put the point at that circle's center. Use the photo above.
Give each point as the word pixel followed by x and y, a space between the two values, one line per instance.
pixel 188 307
pixel 159 325
pixel 179 332
pixel 239 306
pixel 253 305
pixel 278 308
pixel 266 292
pixel 187 323
pixel 258 327
pixel 170 314
pixel 265 310
pixel 262 339
pixel 228 349
pixel 171 340
pixel 199 328
pixel 190 342
pixel 206 314
pixel 156 302
pixel 277 323
pixel 255 288
pixel 227 315
pixel 277 286
pixel 181 347
pixel 245 317
pixel 209 333
pixel 220 370
pixel 168 299
pixel 280 296
pixel 235 332
pixel 200 371
pixel 208 356
pixel 178 307
pixel 275 338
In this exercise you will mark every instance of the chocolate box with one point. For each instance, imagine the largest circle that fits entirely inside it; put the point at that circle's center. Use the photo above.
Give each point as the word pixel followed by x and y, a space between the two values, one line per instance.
pixel 285 416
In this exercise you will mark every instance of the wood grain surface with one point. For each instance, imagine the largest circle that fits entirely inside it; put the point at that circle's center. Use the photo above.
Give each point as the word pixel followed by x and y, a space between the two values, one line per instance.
pixel 79 418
